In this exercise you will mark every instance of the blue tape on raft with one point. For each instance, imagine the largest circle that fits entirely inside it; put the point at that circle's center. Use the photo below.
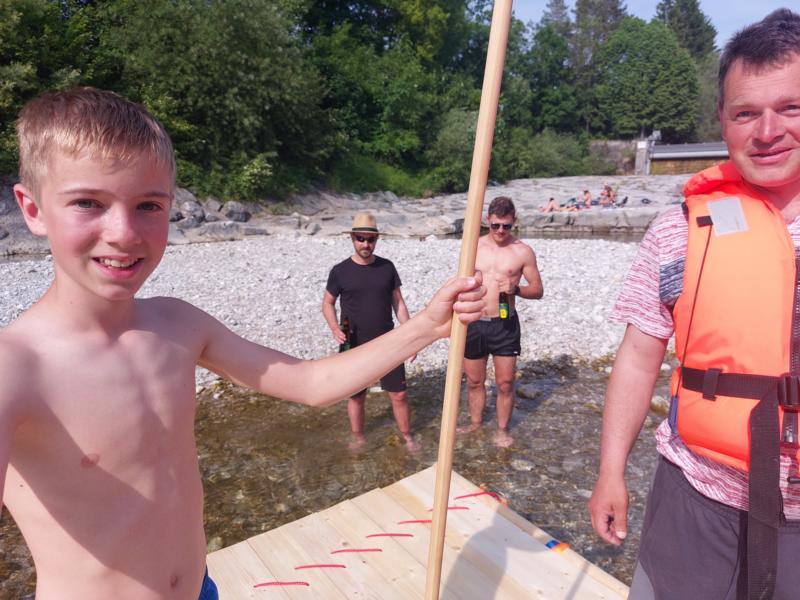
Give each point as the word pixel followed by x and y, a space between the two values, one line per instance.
pixel 552 544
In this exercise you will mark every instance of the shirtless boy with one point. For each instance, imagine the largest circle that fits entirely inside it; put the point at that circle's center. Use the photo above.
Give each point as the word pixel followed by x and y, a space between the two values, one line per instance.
pixel 503 260
pixel 98 464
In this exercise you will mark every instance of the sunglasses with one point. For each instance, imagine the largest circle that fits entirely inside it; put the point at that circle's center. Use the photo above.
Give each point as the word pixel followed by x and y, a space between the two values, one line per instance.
pixel 505 226
pixel 369 239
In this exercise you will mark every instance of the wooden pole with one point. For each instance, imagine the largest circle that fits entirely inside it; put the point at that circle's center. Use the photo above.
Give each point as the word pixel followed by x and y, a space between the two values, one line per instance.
pixel 481 156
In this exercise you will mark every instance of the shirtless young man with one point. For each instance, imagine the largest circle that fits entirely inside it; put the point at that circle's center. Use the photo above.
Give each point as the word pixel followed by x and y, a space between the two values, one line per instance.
pixel 98 464
pixel 503 260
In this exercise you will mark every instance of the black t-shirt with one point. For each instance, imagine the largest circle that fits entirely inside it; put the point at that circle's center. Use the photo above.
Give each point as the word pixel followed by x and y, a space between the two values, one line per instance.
pixel 366 295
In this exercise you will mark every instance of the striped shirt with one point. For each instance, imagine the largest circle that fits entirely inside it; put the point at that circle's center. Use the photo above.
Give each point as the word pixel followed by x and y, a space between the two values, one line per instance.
pixel 648 295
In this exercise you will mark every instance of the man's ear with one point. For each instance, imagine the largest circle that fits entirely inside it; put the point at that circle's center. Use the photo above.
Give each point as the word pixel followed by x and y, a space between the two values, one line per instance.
pixel 30 210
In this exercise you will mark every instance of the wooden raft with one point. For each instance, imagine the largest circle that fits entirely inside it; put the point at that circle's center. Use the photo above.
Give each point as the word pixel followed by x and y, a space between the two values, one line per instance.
pixel 376 546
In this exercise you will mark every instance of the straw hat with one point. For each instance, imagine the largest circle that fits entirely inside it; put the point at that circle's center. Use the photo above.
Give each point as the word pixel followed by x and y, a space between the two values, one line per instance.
pixel 364 222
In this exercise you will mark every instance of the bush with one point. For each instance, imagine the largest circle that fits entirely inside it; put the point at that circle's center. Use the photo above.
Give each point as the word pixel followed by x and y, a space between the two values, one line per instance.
pixel 360 174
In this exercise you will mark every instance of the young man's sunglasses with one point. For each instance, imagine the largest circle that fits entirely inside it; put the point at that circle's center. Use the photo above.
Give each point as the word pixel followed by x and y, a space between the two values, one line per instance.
pixel 505 226
pixel 371 239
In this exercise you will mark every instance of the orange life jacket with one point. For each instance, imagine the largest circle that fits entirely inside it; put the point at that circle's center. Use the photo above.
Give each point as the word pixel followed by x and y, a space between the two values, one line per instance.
pixel 735 313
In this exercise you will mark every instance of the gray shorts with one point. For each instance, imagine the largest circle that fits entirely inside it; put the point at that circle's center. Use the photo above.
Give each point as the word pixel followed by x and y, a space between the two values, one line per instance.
pixel 694 548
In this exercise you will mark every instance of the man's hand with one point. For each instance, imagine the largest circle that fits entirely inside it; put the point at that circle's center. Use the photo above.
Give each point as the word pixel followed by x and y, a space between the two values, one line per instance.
pixel 608 508
pixel 464 295
pixel 338 335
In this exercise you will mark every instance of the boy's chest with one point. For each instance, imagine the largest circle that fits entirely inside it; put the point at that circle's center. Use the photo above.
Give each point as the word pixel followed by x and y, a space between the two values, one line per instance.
pixel 130 389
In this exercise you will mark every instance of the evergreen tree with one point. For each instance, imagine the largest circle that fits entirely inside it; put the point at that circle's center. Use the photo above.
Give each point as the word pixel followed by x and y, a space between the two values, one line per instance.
pixel 692 28
pixel 645 81
pixel 556 16
pixel 552 82
pixel 595 21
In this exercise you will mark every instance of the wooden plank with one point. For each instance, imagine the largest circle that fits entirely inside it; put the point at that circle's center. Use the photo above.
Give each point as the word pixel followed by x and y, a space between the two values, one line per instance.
pixel 387 512
pixel 281 551
pixel 505 551
pixel 237 569
pixel 359 580
pixel 457 542
pixel 398 567
pixel 583 565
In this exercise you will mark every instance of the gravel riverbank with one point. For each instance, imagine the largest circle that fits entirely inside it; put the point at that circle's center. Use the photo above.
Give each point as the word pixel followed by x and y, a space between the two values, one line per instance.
pixel 270 288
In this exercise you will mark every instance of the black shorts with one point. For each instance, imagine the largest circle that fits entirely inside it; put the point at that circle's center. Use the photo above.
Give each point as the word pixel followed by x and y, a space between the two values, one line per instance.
pixel 495 336
pixel 394 380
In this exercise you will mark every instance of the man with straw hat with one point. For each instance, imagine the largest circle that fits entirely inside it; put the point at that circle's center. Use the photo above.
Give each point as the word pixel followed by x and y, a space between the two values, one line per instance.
pixel 369 287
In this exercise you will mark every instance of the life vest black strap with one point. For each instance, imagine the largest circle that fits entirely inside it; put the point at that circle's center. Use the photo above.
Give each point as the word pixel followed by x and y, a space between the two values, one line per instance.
pixel 765 514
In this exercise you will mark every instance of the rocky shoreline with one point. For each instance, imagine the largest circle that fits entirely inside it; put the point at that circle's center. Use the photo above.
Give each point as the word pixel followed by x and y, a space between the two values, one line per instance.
pixel 324 214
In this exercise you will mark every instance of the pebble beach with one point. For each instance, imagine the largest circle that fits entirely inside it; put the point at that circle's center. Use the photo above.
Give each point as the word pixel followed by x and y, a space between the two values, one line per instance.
pixel 269 289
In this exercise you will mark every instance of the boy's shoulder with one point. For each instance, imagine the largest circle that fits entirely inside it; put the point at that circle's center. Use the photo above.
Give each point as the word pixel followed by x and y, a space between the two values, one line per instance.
pixel 19 364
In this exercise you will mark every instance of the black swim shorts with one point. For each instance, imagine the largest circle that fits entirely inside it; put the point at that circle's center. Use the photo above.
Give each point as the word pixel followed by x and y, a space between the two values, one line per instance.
pixel 496 336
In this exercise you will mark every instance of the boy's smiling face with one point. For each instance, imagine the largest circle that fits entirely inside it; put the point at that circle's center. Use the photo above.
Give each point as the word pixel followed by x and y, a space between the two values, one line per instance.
pixel 107 223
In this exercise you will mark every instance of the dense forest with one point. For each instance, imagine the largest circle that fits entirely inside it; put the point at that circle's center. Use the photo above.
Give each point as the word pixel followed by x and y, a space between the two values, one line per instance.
pixel 264 98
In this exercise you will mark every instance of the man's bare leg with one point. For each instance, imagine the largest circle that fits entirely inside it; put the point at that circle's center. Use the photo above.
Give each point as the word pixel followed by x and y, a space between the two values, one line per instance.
pixel 355 412
pixel 504 367
pixel 402 416
pixel 475 370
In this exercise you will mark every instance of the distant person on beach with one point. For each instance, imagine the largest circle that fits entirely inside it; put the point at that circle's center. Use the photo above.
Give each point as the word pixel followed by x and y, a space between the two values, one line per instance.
pixel 98 464
pixel 723 514
pixel 369 288
pixel 504 260
pixel 586 199
pixel 551 206
pixel 608 197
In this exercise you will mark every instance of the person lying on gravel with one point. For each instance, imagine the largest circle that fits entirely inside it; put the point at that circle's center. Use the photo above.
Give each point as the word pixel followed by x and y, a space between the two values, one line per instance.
pixel 98 465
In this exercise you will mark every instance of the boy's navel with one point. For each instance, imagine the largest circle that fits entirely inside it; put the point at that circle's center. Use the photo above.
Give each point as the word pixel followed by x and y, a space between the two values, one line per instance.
pixel 90 460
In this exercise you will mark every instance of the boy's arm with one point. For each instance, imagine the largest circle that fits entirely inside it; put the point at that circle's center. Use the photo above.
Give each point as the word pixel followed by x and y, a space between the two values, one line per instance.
pixel 326 380
pixel 627 401
pixel 329 312
pixel 530 270
pixel 11 384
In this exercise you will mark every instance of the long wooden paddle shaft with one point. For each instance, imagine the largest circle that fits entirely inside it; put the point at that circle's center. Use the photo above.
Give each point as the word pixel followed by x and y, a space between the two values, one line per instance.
pixel 490 95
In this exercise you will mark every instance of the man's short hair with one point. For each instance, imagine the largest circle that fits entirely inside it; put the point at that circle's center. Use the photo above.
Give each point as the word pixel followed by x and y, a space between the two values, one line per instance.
pixel 86 120
pixel 771 41
pixel 502 206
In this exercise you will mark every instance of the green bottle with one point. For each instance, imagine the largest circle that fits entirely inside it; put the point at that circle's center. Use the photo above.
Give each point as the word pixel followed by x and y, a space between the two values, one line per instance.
pixel 503 305
pixel 345 326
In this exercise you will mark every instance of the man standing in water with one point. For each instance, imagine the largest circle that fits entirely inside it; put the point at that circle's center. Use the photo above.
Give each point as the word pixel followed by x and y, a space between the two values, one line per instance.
pixel 503 260
pixel 723 514
pixel 369 287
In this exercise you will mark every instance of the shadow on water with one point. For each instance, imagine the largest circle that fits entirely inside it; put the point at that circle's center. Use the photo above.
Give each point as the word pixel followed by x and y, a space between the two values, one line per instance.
pixel 266 462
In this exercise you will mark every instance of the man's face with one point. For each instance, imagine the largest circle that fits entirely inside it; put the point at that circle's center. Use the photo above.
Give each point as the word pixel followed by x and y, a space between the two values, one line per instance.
pixel 364 243
pixel 760 121
pixel 500 228
pixel 106 224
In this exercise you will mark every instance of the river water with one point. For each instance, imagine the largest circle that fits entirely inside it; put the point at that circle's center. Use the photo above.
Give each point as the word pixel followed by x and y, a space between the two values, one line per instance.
pixel 266 462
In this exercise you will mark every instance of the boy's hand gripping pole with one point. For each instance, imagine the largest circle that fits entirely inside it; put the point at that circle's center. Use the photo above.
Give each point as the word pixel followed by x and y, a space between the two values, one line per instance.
pixel 481 157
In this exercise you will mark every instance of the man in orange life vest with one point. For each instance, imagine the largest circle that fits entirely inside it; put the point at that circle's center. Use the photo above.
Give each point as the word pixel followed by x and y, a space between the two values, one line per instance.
pixel 721 272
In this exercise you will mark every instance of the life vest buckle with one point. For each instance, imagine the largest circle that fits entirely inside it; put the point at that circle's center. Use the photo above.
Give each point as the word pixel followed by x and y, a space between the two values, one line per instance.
pixel 789 391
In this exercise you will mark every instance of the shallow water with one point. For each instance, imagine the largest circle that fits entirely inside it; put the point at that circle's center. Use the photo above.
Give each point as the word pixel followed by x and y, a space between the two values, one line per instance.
pixel 266 462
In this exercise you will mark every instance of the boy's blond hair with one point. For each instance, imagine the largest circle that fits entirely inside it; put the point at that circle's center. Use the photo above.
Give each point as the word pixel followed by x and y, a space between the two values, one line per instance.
pixel 86 120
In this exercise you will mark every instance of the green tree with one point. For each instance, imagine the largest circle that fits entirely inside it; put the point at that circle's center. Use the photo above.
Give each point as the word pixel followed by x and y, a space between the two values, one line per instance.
pixel 689 24
pixel 230 82
pixel 556 16
pixel 707 99
pixel 552 82
pixel 595 21
pixel 40 49
pixel 645 81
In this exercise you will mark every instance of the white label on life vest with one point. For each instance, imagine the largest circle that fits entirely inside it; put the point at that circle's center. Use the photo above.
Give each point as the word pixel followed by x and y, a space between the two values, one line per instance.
pixel 727 216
